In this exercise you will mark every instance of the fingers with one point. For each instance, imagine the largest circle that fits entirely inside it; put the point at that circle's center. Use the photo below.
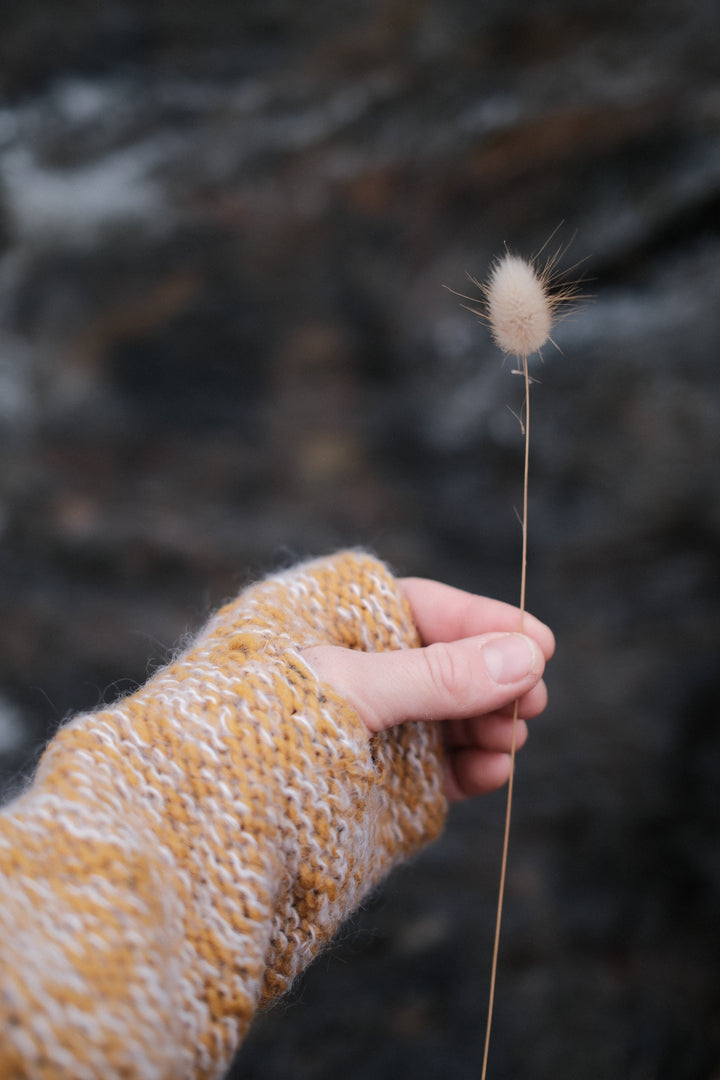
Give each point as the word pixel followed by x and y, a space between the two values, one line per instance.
pixel 454 680
pixel 443 613
pixel 530 704
pixel 489 734
pixel 493 731
pixel 477 754
pixel 473 772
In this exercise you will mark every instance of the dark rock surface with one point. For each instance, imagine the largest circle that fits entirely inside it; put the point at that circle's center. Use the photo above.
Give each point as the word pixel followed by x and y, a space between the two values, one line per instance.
pixel 225 342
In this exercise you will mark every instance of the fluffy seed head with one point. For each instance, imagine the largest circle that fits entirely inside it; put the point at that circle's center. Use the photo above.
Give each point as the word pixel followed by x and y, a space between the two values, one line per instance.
pixel 519 309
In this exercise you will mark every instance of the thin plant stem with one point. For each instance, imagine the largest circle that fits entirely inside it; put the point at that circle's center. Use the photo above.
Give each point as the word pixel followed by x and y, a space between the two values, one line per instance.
pixel 508 811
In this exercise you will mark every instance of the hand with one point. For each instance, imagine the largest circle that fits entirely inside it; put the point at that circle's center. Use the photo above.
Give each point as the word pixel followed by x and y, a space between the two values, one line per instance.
pixel 472 668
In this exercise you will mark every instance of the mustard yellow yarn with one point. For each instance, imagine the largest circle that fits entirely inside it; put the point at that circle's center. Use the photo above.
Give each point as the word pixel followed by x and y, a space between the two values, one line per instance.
pixel 181 856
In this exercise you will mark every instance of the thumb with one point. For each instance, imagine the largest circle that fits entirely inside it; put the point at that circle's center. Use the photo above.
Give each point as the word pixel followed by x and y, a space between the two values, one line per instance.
pixel 444 681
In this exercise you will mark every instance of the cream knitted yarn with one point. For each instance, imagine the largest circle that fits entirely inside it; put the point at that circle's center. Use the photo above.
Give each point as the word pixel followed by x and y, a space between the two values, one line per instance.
pixel 181 856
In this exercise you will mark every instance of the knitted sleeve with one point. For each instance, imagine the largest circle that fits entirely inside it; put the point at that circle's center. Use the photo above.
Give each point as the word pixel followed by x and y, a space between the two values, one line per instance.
pixel 182 855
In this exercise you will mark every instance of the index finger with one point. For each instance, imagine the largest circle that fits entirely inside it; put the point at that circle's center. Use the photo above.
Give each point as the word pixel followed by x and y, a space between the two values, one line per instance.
pixel 444 613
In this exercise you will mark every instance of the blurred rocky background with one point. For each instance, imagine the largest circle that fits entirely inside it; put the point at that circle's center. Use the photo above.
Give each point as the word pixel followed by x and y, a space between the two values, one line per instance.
pixel 225 343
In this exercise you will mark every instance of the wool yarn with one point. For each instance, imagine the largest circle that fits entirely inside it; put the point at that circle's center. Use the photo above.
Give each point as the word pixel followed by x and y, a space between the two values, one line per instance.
pixel 180 856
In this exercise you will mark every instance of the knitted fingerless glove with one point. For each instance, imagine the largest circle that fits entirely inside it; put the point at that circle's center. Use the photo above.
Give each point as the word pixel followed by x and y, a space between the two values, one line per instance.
pixel 181 856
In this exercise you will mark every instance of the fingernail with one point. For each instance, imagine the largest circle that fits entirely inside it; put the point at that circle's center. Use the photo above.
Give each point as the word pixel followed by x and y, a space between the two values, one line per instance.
pixel 508 658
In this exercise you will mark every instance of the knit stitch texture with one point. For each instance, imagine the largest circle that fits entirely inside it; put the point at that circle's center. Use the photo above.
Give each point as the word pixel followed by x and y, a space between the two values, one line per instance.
pixel 182 855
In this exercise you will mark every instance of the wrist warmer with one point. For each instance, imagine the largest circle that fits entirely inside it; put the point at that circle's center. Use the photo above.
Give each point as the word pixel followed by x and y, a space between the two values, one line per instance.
pixel 182 855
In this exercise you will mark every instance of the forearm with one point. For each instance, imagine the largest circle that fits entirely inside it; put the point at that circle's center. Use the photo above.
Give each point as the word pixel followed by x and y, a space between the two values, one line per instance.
pixel 183 855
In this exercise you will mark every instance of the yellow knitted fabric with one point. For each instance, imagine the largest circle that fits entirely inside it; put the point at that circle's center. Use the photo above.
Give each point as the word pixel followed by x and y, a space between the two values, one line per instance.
pixel 181 856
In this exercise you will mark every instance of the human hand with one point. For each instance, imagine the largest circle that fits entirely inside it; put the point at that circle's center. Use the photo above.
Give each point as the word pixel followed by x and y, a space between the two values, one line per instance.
pixel 472 668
